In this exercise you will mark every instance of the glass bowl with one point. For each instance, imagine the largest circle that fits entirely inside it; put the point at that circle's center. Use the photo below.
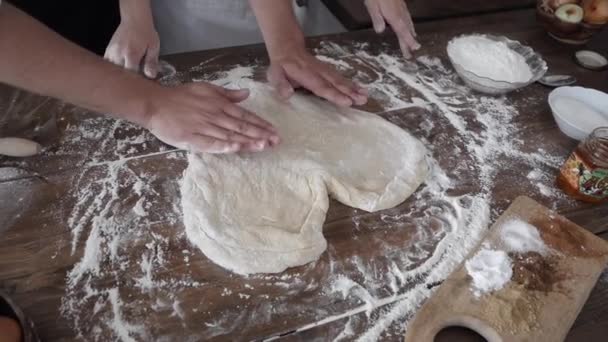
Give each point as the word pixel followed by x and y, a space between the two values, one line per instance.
pixel 486 85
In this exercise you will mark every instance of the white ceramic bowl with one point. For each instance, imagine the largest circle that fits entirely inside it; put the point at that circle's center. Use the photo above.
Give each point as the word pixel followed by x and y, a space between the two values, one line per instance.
pixel 578 111
pixel 494 87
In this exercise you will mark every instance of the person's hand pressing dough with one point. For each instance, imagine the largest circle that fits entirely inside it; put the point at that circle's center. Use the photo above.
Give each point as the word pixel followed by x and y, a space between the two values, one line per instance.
pixel 202 117
pixel 296 67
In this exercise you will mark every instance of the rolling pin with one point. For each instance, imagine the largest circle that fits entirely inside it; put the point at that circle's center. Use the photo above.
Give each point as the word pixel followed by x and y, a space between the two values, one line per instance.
pixel 19 147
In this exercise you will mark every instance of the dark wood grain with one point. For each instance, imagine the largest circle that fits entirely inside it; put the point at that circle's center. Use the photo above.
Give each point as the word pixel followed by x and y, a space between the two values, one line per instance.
pixel 37 197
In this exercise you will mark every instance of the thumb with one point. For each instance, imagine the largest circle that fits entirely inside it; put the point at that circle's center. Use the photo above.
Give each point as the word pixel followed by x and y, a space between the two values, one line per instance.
pixel 376 15
pixel 278 79
pixel 151 65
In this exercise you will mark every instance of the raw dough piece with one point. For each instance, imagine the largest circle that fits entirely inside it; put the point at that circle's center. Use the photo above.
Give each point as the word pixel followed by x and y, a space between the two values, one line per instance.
pixel 264 212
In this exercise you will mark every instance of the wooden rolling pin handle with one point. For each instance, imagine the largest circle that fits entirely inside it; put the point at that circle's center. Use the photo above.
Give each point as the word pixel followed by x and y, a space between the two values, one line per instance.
pixel 19 147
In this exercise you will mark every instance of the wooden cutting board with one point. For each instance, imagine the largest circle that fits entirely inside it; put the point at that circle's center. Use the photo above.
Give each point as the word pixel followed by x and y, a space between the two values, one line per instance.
pixel 543 297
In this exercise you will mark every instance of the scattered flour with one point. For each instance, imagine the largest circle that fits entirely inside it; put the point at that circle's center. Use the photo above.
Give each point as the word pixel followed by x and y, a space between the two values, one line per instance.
pixel 125 331
pixel 545 184
pixel 535 175
pixel 488 58
pixel 490 270
pixel 545 190
pixel 229 78
pixel 139 208
pixel 336 62
pixel 98 211
pixel 521 237
pixel 177 310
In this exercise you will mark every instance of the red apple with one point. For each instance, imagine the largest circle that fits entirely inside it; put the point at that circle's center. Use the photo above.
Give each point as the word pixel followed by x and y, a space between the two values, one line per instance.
pixel 596 11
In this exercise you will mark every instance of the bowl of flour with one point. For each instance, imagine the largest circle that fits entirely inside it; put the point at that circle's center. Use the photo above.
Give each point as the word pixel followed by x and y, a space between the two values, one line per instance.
pixel 494 64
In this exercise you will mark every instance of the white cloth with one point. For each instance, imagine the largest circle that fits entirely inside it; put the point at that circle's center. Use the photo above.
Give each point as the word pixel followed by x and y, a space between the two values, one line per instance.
pixel 192 25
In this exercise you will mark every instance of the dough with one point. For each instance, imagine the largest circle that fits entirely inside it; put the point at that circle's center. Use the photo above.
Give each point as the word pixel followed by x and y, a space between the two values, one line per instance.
pixel 264 212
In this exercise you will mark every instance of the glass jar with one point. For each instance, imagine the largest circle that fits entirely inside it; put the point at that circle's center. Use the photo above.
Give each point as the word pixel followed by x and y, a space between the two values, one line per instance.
pixel 584 175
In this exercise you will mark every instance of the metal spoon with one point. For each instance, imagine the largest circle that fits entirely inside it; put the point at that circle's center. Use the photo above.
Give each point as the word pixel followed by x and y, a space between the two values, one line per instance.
pixel 557 80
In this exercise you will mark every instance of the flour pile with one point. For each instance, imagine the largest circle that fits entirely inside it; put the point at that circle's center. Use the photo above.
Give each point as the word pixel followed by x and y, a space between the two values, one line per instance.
pixel 489 58
pixel 521 237
pixel 490 270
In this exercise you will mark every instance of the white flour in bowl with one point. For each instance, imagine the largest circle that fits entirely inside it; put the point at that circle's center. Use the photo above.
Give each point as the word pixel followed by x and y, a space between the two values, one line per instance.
pixel 488 58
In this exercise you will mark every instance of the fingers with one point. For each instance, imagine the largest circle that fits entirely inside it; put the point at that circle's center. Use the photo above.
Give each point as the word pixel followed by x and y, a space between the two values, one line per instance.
pixel 151 66
pixel 201 143
pixel 238 95
pixel 397 15
pixel 230 116
pixel 376 15
pixel 312 81
pixel 408 19
pixel 113 56
pixel 254 147
pixel 241 113
pixel 134 56
pixel 133 60
pixel 214 139
pixel 248 124
pixel 319 78
pixel 128 60
pixel 230 122
pixel 354 91
pixel 407 42
pixel 213 131
pixel 277 78
pixel 361 91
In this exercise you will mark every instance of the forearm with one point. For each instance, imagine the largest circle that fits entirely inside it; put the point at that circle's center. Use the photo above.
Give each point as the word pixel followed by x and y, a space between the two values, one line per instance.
pixel 38 60
pixel 278 24
pixel 136 10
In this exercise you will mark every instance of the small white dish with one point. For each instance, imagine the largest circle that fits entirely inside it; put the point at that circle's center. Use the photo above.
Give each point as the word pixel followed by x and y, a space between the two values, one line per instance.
pixel 578 111
pixel 591 60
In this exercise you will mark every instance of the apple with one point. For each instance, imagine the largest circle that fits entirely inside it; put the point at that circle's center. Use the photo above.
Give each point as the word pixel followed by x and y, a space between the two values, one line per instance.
pixel 570 13
pixel 596 11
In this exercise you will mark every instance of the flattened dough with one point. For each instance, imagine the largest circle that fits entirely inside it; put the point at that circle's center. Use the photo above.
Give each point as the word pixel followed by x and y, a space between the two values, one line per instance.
pixel 264 212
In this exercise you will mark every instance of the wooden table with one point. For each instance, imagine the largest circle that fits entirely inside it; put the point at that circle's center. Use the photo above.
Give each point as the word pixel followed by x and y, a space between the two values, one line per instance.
pixel 55 204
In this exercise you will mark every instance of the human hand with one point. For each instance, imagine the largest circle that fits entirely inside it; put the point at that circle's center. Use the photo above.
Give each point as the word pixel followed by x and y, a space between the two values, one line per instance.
pixel 135 44
pixel 396 14
pixel 202 117
pixel 296 67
